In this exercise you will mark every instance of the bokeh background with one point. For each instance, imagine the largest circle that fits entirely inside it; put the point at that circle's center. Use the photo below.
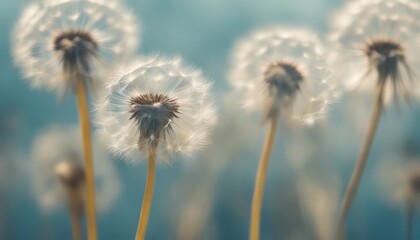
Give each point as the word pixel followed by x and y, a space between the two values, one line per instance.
pixel 209 196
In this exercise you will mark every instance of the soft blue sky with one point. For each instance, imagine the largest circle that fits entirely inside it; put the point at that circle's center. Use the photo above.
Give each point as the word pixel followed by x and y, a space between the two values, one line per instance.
pixel 203 32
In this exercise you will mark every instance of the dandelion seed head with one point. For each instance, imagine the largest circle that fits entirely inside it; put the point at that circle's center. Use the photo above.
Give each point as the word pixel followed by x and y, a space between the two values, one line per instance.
pixel 70 173
pixel 153 114
pixel 373 42
pixel 282 71
pixel 157 103
pixel 55 40
pixel 57 158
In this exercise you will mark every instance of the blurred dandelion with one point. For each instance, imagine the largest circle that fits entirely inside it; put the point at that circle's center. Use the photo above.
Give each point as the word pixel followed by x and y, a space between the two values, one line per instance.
pixel 69 45
pixel 155 106
pixel 400 184
pixel 59 174
pixel 283 71
pixel 373 43
pixel 56 43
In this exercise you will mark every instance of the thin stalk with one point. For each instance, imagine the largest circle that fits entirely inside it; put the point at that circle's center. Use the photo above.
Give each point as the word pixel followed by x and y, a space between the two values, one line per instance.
pixel 88 160
pixel 254 230
pixel 75 211
pixel 410 220
pixel 147 198
pixel 361 163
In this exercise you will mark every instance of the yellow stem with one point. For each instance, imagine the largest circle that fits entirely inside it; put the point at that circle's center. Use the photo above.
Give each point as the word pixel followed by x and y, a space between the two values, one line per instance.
pixel 87 148
pixel 361 163
pixel 147 198
pixel 254 230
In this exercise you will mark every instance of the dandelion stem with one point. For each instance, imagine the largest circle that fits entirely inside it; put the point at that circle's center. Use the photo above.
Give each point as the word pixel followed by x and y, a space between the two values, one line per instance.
pixel 75 212
pixel 87 149
pixel 260 181
pixel 410 220
pixel 360 165
pixel 147 199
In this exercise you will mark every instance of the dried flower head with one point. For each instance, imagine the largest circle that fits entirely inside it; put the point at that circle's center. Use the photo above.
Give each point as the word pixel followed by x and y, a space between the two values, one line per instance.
pixel 56 42
pixel 57 161
pixel 374 42
pixel 284 70
pixel 156 103
pixel 70 173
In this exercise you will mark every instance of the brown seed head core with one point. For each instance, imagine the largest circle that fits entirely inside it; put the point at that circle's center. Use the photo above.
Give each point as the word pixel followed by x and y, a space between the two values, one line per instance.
pixel 76 47
pixel 283 79
pixel 385 56
pixel 71 175
pixel 153 113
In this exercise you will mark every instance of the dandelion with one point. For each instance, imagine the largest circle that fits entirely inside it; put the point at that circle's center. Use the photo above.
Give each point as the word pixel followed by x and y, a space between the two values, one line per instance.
pixel 282 71
pixel 69 45
pixel 373 43
pixel 400 184
pixel 59 43
pixel 155 107
pixel 59 175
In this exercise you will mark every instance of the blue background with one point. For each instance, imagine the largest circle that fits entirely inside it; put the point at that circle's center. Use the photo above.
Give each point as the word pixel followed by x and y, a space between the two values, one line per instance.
pixel 203 33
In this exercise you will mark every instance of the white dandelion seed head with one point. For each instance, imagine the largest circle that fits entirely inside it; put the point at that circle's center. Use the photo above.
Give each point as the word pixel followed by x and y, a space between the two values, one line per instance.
pixel 373 40
pixel 55 155
pixel 54 40
pixel 283 69
pixel 399 181
pixel 156 102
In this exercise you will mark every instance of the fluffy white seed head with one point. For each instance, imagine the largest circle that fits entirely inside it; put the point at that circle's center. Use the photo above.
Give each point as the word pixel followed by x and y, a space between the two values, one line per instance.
pixel 156 103
pixel 282 71
pixel 375 42
pixel 54 42
pixel 57 159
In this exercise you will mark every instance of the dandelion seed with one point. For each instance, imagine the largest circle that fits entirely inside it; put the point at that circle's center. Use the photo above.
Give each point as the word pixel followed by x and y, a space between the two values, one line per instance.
pixel 373 43
pixel 155 107
pixel 155 103
pixel 283 71
pixel 59 176
pixel 54 41
pixel 70 45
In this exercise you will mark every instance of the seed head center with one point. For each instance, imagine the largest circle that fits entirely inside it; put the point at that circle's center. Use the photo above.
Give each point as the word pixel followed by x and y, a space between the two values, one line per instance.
pixel 153 114
pixel 283 79
pixel 76 47
pixel 385 56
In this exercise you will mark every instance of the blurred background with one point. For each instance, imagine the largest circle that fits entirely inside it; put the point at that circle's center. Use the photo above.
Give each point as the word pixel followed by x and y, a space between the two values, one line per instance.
pixel 209 196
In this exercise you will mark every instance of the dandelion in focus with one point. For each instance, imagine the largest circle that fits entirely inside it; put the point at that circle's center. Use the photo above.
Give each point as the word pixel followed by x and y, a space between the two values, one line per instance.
pixel 374 42
pixel 155 107
pixel 59 175
pixel 283 72
pixel 69 45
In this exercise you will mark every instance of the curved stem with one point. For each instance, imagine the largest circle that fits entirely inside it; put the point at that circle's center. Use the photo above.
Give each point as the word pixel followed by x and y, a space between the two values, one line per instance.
pixel 254 230
pixel 147 199
pixel 361 163
pixel 88 160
